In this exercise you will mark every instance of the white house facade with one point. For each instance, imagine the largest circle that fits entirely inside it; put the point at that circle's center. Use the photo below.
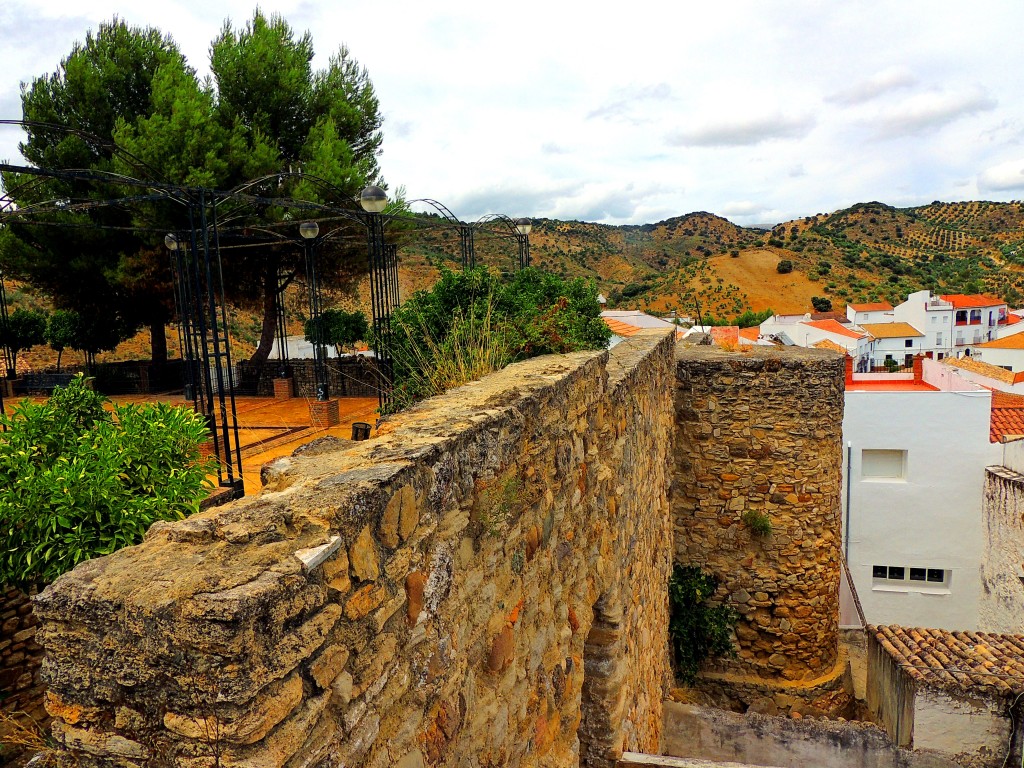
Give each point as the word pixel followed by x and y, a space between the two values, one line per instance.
pixel 916 453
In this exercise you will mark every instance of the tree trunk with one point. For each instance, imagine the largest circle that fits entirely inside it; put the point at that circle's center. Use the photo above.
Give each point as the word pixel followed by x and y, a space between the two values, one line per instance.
pixel 269 312
pixel 158 341
pixel 59 353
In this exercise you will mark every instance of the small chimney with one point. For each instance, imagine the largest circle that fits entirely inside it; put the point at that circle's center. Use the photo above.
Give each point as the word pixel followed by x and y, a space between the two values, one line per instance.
pixel 918 368
pixel 849 369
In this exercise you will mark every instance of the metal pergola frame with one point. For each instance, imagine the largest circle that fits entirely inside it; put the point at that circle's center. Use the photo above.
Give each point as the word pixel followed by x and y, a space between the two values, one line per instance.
pixel 196 265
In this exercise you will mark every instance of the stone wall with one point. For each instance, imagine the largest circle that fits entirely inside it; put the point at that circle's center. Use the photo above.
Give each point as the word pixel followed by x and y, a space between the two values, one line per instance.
pixel 712 734
pixel 21 690
pixel 759 432
pixel 484 583
pixel 1001 606
pixel 346 377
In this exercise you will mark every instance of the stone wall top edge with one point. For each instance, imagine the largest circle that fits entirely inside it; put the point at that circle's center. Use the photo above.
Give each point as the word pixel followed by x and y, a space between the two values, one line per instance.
pixel 626 357
pixel 755 356
pixel 231 544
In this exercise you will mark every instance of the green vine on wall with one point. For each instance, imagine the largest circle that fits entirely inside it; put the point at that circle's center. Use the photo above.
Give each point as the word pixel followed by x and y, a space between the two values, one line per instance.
pixel 698 629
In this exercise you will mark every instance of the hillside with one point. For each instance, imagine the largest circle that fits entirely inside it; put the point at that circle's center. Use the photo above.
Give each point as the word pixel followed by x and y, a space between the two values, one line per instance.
pixel 868 252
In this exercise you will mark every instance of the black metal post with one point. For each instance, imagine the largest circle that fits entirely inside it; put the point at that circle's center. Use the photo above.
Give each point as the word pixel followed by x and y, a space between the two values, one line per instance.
pixel 383 290
pixel 4 319
pixel 468 246
pixel 8 361
pixel 315 320
pixel 524 251
pixel 282 327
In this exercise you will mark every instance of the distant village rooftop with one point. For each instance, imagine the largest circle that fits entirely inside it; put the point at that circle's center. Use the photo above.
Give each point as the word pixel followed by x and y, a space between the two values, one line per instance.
pixel 833 326
pixel 984 369
pixel 974 300
pixel 956 662
pixel 880 306
pixel 891 330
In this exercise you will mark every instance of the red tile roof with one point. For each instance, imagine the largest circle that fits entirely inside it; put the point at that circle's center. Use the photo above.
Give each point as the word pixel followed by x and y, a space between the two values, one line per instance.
pixel 891 330
pixel 1007 416
pixel 620 328
pixel 1013 320
pixel 968 301
pixel 889 385
pixel 725 334
pixel 1013 341
pixel 833 327
pixel 750 334
pixel 881 306
pixel 962 662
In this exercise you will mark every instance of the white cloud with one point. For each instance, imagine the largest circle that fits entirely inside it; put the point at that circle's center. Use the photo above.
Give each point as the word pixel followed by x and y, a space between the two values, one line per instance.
pixel 930 111
pixel 742 131
pixel 762 111
pixel 1007 176
pixel 875 86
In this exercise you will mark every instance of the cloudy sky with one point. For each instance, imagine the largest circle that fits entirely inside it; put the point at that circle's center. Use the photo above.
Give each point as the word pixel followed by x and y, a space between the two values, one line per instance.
pixel 634 112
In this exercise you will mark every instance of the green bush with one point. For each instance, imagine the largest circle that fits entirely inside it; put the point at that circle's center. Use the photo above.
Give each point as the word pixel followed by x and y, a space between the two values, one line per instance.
pixel 821 303
pixel 758 522
pixel 784 267
pixel 697 629
pixel 78 481
pixel 473 322
pixel 338 328
pixel 24 328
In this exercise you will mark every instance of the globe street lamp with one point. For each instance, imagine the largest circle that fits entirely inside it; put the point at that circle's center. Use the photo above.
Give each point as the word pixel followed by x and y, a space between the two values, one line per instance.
pixel 523 228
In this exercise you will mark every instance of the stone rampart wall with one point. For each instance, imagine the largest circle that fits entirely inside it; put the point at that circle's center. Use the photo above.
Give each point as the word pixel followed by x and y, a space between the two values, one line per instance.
pixel 759 432
pixel 1001 607
pixel 481 584
pixel 346 377
pixel 21 690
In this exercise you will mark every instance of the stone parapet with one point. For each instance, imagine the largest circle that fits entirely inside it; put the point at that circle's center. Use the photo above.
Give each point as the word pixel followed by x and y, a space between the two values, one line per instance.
pixel 759 432
pixel 483 583
pixel 21 690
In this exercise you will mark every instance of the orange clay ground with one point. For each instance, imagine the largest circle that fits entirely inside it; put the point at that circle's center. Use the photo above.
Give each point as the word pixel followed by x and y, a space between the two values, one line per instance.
pixel 269 428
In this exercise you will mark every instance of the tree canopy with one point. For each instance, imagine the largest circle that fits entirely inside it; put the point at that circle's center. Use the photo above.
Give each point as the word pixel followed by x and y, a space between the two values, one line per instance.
pixel 264 111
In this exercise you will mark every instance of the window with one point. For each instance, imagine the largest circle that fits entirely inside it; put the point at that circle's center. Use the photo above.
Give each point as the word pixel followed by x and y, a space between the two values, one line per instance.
pixel 899 578
pixel 938 339
pixel 961 317
pixel 883 464
pixel 935 319
pixel 908 343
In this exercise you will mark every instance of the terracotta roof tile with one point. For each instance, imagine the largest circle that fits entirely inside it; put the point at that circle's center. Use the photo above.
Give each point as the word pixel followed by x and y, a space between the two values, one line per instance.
pixel 833 327
pixel 881 306
pixel 752 334
pixel 829 344
pixel 725 335
pixel 968 301
pixel 620 328
pixel 1014 341
pixel 985 369
pixel 891 330
pixel 964 662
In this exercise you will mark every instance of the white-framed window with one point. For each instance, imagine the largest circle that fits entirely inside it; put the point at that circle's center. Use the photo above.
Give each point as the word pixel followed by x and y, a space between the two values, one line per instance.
pixel 914 578
pixel 938 339
pixel 883 464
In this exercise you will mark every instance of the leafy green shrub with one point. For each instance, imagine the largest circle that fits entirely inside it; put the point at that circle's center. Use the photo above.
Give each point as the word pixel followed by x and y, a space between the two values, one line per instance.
pixel 821 303
pixel 473 322
pixel 697 630
pixel 338 328
pixel 784 267
pixel 758 522
pixel 77 481
pixel 24 328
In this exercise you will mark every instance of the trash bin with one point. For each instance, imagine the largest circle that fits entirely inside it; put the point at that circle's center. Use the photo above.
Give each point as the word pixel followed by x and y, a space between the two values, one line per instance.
pixel 360 430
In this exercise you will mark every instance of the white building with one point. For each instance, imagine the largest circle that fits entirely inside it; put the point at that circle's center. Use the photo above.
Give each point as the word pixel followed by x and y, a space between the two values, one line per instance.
pixel 1006 352
pixel 916 452
pixel 802 331
pixel 879 312
pixel 895 344
pixel 932 316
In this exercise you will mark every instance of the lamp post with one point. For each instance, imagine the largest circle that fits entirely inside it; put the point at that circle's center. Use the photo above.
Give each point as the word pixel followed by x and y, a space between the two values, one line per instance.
pixel 309 231
pixel 383 286
pixel 523 228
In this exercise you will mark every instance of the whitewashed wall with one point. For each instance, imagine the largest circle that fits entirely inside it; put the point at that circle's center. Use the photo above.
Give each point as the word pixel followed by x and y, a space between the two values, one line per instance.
pixel 933 517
